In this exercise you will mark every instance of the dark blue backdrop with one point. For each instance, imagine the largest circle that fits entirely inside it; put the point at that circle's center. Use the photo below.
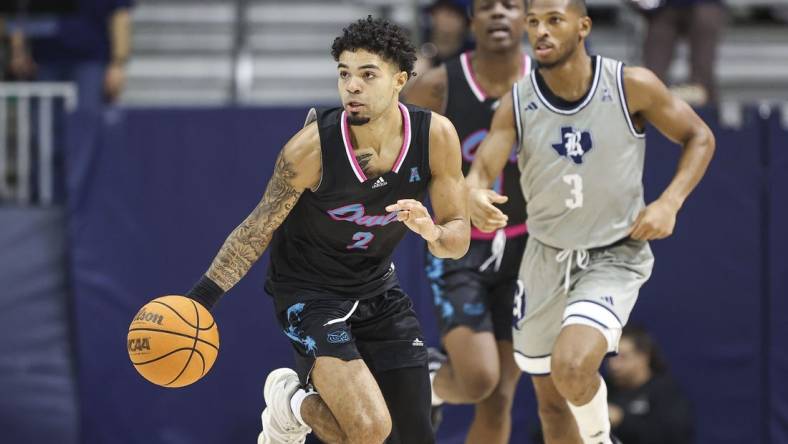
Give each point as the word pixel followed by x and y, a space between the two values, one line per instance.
pixel 776 346
pixel 155 192
pixel 38 402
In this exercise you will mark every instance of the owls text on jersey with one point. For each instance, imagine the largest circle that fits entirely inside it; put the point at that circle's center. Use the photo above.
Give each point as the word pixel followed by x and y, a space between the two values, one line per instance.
pixel 582 164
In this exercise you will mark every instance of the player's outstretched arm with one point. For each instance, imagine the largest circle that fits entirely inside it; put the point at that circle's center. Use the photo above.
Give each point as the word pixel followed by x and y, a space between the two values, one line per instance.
pixel 649 98
pixel 491 158
pixel 449 235
pixel 297 168
pixel 429 90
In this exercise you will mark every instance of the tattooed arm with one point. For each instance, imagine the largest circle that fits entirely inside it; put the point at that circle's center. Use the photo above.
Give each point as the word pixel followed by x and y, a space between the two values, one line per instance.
pixel 429 90
pixel 298 167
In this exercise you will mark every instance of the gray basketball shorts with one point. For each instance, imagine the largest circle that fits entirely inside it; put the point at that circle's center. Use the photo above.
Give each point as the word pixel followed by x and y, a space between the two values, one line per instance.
pixel 600 292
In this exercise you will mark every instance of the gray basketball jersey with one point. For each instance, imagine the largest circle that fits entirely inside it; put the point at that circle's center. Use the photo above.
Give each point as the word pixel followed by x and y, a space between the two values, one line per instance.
pixel 581 168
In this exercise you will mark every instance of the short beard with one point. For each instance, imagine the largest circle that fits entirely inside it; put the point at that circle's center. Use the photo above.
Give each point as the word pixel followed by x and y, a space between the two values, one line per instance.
pixel 357 120
pixel 561 60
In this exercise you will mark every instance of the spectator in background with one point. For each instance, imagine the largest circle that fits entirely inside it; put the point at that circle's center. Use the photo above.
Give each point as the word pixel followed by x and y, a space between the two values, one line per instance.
pixel 702 22
pixel 447 34
pixel 90 47
pixel 3 49
pixel 646 405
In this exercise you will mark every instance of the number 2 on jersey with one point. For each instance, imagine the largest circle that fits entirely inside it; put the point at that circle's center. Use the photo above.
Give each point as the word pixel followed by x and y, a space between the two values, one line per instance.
pixel 362 238
pixel 576 182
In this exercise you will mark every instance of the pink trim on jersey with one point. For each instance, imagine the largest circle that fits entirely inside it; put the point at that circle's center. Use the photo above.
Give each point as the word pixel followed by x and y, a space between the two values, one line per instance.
pixel 406 136
pixel 510 232
pixel 470 76
pixel 465 61
pixel 349 148
pixel 403 151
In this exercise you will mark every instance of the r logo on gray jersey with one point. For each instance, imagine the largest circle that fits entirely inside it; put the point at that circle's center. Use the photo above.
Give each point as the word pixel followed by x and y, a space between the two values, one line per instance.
pixel 574 144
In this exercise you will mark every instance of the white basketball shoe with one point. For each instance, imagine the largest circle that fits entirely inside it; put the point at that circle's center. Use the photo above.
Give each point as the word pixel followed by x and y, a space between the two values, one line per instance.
pixel 280 425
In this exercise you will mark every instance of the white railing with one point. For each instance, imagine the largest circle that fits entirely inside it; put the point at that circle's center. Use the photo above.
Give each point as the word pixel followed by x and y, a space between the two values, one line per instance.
pixel 21 98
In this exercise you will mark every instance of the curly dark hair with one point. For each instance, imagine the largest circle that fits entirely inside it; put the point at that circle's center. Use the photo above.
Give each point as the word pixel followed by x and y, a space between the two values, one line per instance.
pixel 380 37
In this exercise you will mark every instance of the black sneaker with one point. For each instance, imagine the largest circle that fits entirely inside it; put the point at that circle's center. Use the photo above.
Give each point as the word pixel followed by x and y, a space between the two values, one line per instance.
pixel 435 359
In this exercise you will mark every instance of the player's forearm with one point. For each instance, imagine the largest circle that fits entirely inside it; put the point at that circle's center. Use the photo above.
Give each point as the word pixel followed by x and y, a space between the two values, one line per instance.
pixel 479 177
pixel 453 240
pixel 489 162
pixel 120 36
pixel 240 251
pixel 695 158
pixel 248 241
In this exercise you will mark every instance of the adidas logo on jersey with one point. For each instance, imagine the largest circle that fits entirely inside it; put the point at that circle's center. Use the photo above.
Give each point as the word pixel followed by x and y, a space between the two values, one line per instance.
pixel 379 183
pixel 417 343
pixel 606 96
pixel 532 107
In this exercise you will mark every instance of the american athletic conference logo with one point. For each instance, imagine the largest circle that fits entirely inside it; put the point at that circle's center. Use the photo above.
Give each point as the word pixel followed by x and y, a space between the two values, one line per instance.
pixel 574 144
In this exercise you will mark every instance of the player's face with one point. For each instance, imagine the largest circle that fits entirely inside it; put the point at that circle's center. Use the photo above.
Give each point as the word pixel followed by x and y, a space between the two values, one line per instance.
pixel 498 25
pixel 368 84
pixel 628 364
pixel 555 31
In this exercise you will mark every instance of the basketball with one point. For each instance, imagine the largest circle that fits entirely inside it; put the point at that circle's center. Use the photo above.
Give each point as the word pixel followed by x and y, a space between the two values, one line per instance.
pixel 173 341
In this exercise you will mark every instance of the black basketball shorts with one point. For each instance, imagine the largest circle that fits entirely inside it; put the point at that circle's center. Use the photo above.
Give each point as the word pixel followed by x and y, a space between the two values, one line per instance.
pixel 465 294
pixel 382 330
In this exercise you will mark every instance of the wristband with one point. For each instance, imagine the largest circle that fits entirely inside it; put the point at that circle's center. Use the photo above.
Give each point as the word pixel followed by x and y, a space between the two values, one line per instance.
pixel 206 292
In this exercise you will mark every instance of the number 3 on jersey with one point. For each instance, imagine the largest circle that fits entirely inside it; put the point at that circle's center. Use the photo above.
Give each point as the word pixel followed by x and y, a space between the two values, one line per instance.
pixel 576 182
pixel 362 238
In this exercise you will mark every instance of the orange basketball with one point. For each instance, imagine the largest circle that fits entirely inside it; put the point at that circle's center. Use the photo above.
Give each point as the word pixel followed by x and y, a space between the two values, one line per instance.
pixel 173 341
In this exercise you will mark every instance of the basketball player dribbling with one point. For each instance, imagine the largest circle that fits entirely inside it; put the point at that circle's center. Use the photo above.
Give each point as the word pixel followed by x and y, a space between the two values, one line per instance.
pixel 344 192
pixel 579 122
pixel 474 296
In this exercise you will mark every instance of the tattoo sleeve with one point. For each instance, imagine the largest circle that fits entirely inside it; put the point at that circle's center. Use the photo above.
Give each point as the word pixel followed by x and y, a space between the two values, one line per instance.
pixel 248 241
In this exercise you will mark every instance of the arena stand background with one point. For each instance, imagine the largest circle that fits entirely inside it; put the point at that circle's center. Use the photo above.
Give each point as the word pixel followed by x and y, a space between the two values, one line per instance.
pixel 215 87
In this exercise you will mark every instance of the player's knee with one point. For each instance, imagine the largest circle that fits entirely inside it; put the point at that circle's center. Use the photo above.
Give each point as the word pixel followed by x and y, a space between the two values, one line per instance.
pixel 480 382
pixel 369 428
pixel 572 373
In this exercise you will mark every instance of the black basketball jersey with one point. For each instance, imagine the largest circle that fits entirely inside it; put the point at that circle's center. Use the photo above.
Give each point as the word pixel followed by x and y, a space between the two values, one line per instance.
pixel 337 241
pixel 471 111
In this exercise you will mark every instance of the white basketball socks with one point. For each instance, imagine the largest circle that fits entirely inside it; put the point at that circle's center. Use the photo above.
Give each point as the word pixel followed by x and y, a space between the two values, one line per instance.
pixel 593 419
pixel 297 400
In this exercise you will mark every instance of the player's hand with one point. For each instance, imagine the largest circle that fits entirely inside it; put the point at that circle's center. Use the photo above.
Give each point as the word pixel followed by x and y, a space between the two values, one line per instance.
pixel 484 214
pixel 416 217
pixel 656 221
